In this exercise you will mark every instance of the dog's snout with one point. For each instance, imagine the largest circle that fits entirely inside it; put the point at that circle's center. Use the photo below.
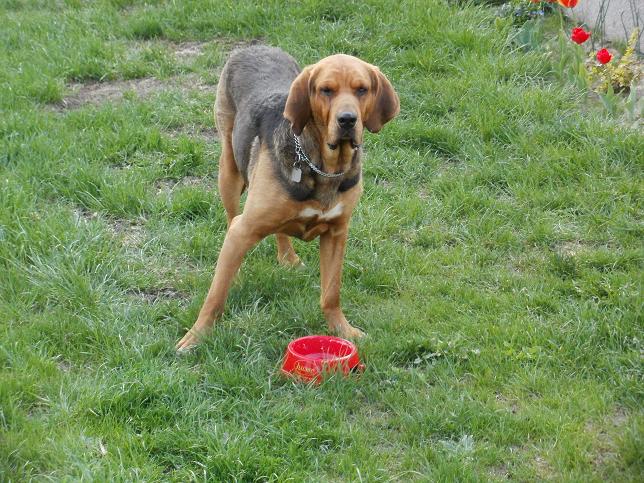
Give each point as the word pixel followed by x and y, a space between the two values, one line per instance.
pixel 347 119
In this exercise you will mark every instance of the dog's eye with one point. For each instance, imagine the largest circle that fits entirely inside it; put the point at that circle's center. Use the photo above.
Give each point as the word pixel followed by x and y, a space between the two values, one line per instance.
pixel 362 91
pixel 327 91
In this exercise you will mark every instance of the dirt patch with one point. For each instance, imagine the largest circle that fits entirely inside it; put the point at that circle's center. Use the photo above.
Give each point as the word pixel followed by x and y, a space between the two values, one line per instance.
pixel 604 434
pixel 570 249
pixel 63 365
pixel 233 44
pixel 188 50
pixel 532 456
pixel 192 82
pixel 208 134
pixel 98 93
pixel 510 405
pixel 544 469
pixel 83 215
pixel 618 418
pixel 165 186
pixel 152 295
pixel 183 52
pixel 383 183
pixel 132 232
pixel 500 472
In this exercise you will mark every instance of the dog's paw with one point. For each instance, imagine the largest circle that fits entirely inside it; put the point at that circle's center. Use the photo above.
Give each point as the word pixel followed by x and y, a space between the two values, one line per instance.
pixel 351 332
pixel 189 341
pixel 291 261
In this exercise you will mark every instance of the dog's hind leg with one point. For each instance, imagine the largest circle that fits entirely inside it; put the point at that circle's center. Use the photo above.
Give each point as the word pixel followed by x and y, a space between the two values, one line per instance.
pixel 230 180
pixel 285 252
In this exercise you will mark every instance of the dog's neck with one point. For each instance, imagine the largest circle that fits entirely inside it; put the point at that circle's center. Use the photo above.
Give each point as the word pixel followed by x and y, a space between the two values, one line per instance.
pixel 336 160
pixel 310 185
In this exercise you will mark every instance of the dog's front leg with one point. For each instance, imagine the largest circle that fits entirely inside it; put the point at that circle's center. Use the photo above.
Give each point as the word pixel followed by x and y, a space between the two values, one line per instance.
pixel 332 246
pixel 239 239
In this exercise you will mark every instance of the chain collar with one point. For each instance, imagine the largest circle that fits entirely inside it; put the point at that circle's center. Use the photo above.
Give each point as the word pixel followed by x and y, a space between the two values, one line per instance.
pixel 302 157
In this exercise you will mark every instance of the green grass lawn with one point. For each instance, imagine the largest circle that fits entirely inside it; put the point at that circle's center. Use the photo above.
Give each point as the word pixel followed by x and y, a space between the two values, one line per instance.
pixel 495 259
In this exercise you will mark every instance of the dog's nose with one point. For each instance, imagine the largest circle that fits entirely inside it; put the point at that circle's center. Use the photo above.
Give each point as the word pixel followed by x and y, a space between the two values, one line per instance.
pixel 347 119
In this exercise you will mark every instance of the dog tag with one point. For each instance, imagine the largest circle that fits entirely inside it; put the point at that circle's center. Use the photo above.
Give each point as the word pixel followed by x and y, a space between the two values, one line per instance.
pixel 296 175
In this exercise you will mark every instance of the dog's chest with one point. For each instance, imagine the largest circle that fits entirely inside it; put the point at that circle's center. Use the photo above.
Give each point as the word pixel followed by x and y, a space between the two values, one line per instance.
pixel 312 214
pixel 311 222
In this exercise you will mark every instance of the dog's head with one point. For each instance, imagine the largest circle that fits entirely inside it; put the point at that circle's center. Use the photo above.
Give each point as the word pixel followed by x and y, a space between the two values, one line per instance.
pixel 341 95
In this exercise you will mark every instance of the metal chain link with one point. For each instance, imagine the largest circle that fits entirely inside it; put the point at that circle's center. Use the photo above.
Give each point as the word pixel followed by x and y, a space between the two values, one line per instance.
pixel 301 156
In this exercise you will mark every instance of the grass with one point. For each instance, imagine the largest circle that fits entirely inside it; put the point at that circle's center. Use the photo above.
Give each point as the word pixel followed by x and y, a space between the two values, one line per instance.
pixel 495 259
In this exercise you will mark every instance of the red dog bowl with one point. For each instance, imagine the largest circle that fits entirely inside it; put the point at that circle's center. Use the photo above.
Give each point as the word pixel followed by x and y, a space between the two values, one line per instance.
pixel 310 358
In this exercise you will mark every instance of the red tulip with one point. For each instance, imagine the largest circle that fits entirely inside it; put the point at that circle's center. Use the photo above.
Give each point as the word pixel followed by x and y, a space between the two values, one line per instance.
pixel 568 3
pixel 579 35
pixel 604 56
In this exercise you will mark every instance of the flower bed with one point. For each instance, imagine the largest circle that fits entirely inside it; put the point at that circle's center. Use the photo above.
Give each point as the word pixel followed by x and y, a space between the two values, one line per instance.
pixel 609 72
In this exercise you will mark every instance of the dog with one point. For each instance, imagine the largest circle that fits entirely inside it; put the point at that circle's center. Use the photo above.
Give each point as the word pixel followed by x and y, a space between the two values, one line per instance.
pixel 293 138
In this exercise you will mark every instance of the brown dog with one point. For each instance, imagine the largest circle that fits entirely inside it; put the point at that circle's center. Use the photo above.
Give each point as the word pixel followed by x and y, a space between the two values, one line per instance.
pixel 294 140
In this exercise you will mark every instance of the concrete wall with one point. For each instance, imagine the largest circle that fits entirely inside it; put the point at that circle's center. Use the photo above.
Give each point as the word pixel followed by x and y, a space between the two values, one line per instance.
pixel 587 11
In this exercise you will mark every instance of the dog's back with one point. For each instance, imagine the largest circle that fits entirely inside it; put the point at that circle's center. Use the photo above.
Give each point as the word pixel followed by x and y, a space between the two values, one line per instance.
pixel 253 73
pixel 252 82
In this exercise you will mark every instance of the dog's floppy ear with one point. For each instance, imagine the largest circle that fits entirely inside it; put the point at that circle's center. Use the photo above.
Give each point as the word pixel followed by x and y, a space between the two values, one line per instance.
pixel 298 104
pixel 386 105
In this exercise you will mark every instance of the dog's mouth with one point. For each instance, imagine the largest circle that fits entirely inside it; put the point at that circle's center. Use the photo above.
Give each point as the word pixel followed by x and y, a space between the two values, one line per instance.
pixel 334 146
pixel 346 136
